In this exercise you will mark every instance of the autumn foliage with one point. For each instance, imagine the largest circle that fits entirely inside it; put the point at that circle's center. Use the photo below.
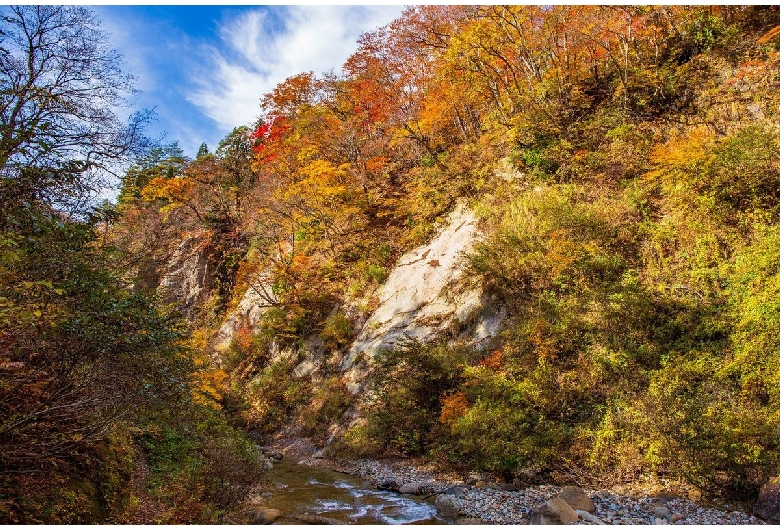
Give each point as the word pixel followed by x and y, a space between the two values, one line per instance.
pixel 624 162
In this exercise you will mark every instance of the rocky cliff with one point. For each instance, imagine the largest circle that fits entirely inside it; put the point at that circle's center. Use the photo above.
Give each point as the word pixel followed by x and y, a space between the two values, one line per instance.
pixel 427 296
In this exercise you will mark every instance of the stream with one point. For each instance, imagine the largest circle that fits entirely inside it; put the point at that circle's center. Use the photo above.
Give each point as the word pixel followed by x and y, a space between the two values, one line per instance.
pixel 317 495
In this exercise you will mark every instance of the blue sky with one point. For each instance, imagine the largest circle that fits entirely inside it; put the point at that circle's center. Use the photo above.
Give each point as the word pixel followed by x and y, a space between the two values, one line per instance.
pixel 204 69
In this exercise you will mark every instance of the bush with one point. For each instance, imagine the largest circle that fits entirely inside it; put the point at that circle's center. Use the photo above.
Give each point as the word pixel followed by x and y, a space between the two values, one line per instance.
pixel 275 395
pixel 407 386
pixel 329 403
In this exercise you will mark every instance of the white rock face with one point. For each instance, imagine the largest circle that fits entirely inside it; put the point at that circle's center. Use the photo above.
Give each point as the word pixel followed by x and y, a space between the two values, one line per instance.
pixel 253 304
pixel 426 296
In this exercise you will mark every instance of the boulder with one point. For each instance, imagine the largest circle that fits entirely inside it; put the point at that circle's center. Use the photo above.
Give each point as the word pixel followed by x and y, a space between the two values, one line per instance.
pixel 554 511
pixel 316 519
pixel 767 506
pixel 387 484
pixel 661 512
pixel 577 498
pixel 262 515
pixel 585 516
pixel 411 488
pixel 456 491
pixel 447 506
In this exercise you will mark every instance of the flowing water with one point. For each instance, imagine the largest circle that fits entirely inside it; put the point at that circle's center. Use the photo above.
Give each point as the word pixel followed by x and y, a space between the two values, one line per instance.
pixel 316 495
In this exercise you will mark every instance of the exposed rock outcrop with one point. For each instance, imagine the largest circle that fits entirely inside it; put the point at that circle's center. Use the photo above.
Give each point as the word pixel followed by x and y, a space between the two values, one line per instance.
pixel 257 298
pixel 189 276
pixel 427 296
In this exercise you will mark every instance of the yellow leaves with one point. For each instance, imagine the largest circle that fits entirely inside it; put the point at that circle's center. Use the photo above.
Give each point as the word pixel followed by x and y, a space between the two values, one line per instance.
pixel 684 149
pixel 174 191
pixel 306 153
pixel 322 184
pixel 208 386
pixel 165 188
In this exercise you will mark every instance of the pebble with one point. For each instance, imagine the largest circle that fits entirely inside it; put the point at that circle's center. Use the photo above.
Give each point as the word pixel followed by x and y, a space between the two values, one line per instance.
pixel 500 506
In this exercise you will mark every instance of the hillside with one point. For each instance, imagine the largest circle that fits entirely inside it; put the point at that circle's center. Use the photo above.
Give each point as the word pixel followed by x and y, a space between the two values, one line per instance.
pixel 536 242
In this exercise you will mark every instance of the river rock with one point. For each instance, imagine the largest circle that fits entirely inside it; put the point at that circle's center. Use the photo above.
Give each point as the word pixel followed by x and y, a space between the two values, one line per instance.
pixel 316 519
pixel 262 515
pixel 661 512
pixel 447 506
pixel 472 479
pixel 585 516
pixel 767 506
pixel 469 520
pixel 411 488
pixel 554 511
pixel 577 499
pixel 387 484
pixel 456 491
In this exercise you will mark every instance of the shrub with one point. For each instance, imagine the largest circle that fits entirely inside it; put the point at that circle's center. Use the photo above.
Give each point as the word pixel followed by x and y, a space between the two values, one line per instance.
pixel 275 395
pixel 329 403
pixel 407 385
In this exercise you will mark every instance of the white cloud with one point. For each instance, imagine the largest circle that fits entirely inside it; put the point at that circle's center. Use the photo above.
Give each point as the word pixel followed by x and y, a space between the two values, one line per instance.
pixel 258 52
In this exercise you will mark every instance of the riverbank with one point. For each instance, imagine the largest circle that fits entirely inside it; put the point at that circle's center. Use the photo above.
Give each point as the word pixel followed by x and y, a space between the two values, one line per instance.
pixel 478 498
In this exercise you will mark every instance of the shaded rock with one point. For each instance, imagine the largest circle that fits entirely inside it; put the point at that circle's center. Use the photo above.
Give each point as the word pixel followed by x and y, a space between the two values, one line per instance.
pixel 262 515
pixel 767 506
pixel 387 484
pixel 456 491
pixel 247 314
pixel 526 476
pixel 554 511
pixel 661 512
pixel 447 506
pixel 275 455
pixel 316 519
pixel 666 496
pixel 189 274
pixel 585 516
pixel 676 517
pixel 577 498
pixel 411 488
pixel 469 520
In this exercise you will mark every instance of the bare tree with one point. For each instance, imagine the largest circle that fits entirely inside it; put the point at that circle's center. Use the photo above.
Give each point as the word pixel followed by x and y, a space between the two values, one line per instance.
pixel 61 87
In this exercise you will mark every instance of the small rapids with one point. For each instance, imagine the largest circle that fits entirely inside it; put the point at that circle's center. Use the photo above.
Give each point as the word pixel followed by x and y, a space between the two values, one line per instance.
pixel 321 496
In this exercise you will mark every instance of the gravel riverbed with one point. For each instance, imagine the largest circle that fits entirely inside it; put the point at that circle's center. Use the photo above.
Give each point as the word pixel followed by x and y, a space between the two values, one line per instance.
pixel 489 502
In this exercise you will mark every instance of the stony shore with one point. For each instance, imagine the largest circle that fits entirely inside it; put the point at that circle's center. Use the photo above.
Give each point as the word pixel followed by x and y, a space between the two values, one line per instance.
pixel 476 499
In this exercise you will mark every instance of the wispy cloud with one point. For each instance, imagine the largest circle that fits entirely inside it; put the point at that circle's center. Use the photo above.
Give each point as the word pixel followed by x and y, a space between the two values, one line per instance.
pixel 261 48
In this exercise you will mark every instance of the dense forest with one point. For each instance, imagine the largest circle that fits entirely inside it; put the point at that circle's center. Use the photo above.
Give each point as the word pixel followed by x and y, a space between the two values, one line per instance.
pixel 624 164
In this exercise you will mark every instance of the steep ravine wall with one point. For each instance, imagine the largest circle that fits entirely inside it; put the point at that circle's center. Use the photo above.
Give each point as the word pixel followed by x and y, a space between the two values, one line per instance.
pixel 426 297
